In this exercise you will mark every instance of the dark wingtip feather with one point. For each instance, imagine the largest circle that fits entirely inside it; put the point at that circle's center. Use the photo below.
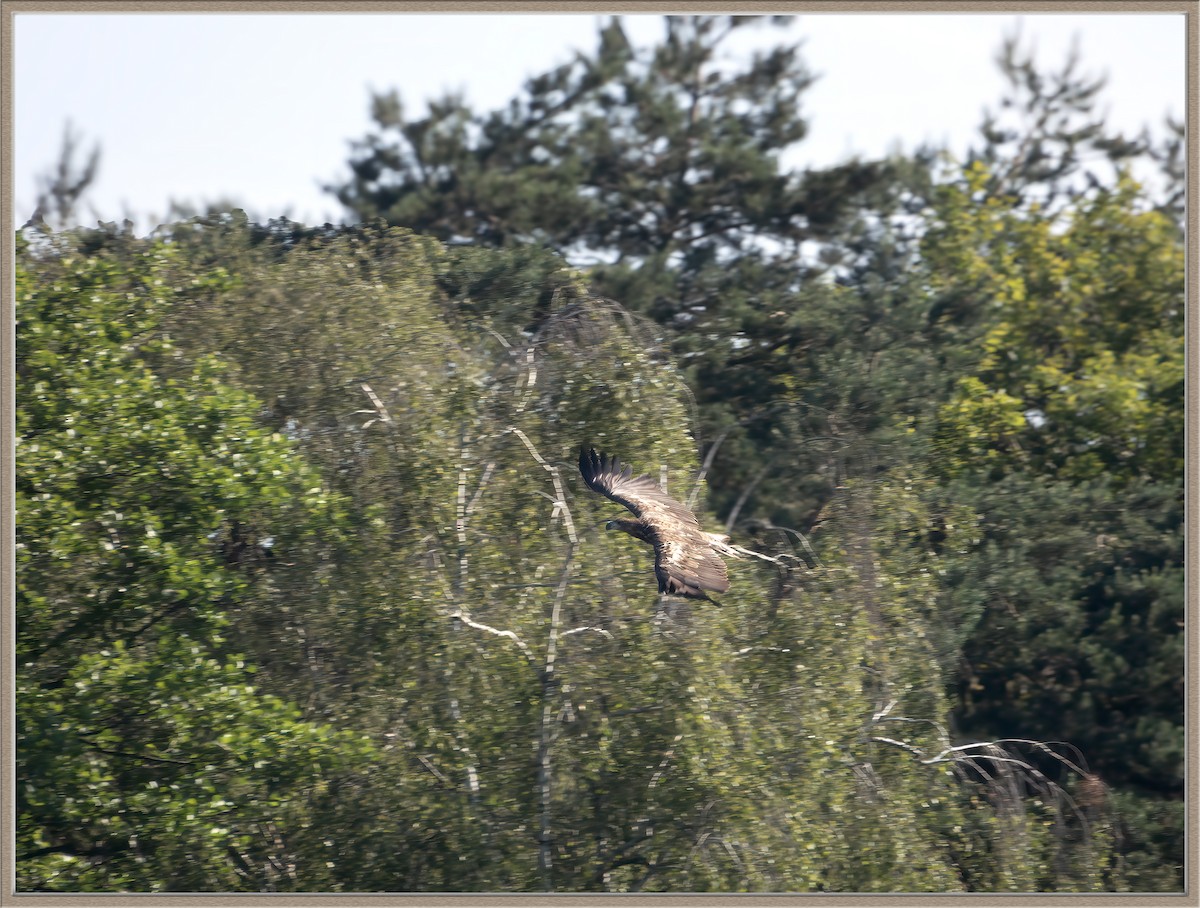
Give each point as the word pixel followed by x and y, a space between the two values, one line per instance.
pixel 591 465
pixel 584 464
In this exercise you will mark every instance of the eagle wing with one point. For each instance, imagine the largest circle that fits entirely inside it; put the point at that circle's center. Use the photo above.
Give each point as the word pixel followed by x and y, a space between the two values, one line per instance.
pixel 684 560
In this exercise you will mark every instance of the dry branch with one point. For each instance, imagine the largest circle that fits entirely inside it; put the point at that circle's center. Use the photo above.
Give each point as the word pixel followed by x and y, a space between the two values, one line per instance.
pixel 460 615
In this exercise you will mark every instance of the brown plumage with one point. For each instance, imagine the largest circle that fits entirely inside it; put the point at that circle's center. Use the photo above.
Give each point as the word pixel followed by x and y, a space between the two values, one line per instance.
pixel 685 557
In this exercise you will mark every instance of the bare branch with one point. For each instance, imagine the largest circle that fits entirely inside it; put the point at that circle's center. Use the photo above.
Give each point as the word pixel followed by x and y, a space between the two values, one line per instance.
pixel 560 505
pixel 460 516
pixel 531 375
pixel 133 756
pixel 704 467
pixel 483 481
pixel 460 615
pixel 941 729
pixel 744 497
pixel 915 751
pixel 761 649
pixel 384 415
pixel 581 630
pixel 737 551
pixel 500 337
pixel 545 732
pixel 662 767
pixel 556 616
pixel 800 537
pixel 437 773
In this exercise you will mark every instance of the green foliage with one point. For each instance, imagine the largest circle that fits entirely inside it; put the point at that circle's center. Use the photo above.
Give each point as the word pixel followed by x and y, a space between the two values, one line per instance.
pixel 1066 437
pixel 475 607
pixel 1082 372
pixel 311 597
pixel 658 169
pixel 1043 145
pixel 146 757
pixel 688 158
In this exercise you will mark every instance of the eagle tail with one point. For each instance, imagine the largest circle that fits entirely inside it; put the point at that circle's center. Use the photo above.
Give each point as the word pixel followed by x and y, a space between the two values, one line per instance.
pixel 720 545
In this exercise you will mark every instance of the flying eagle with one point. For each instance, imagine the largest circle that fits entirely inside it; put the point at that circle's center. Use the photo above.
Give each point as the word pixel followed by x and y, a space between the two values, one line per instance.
pixel 686 559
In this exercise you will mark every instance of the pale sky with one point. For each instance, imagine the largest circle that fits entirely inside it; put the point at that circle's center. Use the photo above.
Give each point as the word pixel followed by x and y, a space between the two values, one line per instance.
pixel 260 108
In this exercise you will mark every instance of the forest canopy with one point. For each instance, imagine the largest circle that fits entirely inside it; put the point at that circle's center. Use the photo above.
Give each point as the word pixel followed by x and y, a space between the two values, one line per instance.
pixel 310 595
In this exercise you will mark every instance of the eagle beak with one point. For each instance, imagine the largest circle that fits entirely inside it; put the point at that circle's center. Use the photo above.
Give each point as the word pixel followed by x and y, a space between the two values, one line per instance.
pixel 609 525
